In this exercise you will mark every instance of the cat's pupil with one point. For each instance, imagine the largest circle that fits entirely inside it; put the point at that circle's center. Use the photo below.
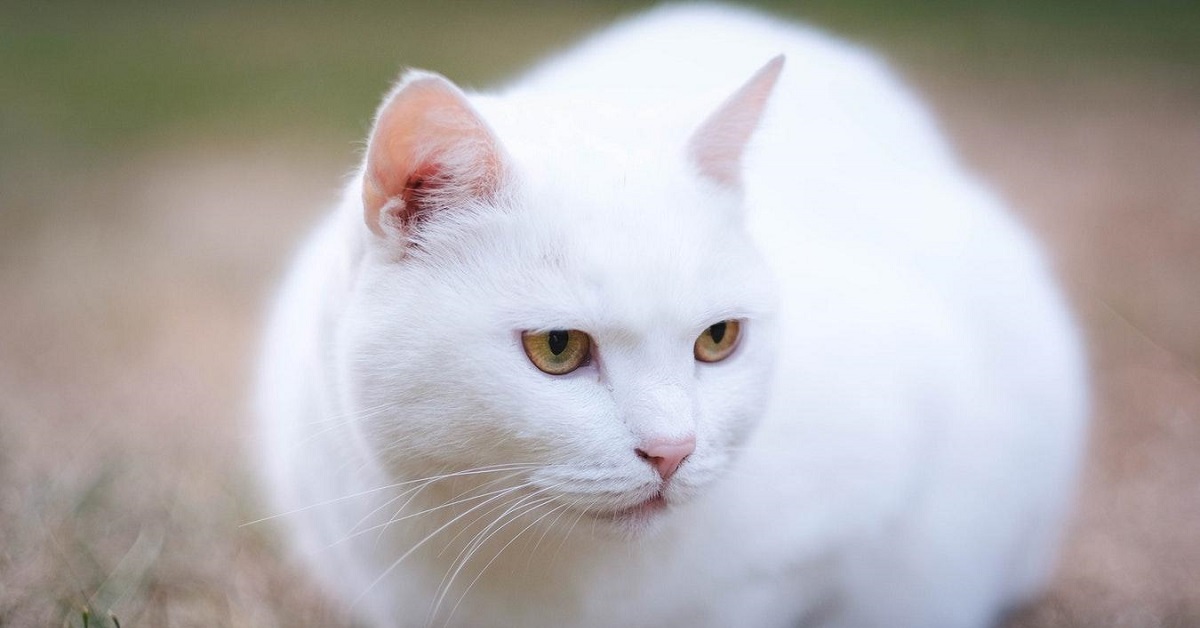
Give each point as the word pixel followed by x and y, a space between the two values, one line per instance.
pixel 557 340
pixel 717 332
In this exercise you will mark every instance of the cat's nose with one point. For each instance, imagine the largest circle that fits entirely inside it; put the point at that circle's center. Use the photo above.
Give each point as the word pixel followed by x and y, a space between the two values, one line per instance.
pixel 666 454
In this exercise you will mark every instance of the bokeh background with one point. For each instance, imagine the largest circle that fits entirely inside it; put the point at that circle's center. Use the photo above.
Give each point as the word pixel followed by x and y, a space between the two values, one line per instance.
pixel 158 161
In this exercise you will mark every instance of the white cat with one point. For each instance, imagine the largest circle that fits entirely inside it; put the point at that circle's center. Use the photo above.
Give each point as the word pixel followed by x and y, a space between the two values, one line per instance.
pixel 614 347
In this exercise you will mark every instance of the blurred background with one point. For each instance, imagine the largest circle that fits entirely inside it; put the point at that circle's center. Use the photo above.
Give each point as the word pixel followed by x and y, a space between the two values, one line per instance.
pixel 158 161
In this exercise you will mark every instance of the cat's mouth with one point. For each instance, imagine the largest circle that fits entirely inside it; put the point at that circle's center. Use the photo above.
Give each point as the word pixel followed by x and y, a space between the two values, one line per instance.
pixel 640 512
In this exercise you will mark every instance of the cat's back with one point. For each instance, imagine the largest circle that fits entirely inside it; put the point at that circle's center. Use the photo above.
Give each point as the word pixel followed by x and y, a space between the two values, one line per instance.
pixel 685 51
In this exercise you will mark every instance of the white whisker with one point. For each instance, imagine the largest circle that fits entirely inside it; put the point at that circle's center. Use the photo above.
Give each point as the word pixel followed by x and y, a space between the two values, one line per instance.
pixel 477 541
pixel 381 526
pixel 520 508
pixel 415 492
pixel 475 471
pixel 418 545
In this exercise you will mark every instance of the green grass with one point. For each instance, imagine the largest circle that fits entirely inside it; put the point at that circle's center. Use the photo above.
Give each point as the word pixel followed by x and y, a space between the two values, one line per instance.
pixel 86 77
pixel 101 75
pixel 1026 36
pixel 90 619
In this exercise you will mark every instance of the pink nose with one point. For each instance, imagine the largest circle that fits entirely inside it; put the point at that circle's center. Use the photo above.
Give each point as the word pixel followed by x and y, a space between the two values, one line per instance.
pixel 665 455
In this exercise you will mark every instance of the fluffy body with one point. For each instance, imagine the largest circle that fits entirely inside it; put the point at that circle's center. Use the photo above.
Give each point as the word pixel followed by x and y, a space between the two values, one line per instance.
pixel 893 443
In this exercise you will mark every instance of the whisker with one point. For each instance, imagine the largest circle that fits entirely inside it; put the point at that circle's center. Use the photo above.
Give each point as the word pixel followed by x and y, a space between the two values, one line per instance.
pixel 563 541
pixel 417 546
pixel 501 551
pixel 476 520
pixel 496 493
pixel 369 411
pixel 336 422
pixel 459 500
pixel 415 492
pixel 562 510
pixel 476 471
pixel 481 537
pixel 469 549
pixel 520 509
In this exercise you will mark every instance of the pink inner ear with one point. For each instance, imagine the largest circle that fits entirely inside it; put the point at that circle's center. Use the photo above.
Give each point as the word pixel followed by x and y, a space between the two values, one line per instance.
pixel 716 148
pixel 418 188
pixel 429 149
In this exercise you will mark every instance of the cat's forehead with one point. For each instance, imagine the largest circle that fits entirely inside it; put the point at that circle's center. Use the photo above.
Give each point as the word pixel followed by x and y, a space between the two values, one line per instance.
pixel 610 213
pixel 589 150
pixel 616 186
pixel 631 210
pixel 657 261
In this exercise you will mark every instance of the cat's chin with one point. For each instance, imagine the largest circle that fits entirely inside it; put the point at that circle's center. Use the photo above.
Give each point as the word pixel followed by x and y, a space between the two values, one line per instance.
pixel 634 521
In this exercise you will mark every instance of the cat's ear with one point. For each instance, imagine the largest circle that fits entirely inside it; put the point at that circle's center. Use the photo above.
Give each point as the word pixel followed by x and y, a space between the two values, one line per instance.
pixel 429 151
pixel 715 149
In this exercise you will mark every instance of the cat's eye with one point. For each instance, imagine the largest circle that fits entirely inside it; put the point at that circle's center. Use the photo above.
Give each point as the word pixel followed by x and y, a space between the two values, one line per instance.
pixel 558 351
pixel 718 341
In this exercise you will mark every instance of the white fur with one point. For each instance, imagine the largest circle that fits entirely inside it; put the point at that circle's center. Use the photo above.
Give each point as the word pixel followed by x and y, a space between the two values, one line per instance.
pixel 894 443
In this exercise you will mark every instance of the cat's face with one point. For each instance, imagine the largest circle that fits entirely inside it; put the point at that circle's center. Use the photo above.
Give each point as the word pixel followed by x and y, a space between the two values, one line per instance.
pixel 636 256
pixel 446 384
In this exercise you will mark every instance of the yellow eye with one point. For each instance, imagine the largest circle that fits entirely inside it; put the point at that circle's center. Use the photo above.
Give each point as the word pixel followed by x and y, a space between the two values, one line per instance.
pixel 718 341
pixel 558 351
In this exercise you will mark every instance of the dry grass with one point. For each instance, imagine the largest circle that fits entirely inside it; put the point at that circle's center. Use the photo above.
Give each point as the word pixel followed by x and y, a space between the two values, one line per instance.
pixel 131 295
pixel 129 321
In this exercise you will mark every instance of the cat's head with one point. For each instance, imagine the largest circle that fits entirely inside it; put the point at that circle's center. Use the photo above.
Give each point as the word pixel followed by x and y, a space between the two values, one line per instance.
pixel 568 323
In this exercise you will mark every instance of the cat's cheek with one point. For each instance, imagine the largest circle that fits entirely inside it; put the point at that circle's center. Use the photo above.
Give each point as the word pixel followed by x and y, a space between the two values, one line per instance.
pixel 736 392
